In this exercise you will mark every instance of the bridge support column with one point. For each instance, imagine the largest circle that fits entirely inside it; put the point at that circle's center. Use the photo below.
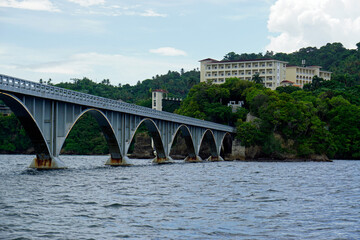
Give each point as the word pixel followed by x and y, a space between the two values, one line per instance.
pixel 164 160
pixel 193 159
pixel 124 161
pixel 215 159
pixel 47 163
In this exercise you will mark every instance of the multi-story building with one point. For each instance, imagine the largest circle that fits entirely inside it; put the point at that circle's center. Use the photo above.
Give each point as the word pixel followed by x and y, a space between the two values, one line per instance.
pixel 302 75
pixel 272 71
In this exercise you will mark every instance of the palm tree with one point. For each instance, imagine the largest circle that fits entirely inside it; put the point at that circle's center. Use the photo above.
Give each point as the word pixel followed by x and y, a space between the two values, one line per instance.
pixel 257 79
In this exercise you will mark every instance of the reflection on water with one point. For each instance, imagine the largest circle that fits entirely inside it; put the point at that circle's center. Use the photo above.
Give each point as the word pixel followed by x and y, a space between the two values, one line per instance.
pixel 219 200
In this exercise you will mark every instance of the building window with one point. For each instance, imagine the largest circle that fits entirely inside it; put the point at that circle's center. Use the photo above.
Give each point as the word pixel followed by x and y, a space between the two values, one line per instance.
pixel 154 103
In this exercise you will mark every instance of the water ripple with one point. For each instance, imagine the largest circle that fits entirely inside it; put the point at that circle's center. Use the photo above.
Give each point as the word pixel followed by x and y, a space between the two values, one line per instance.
pixel 220 200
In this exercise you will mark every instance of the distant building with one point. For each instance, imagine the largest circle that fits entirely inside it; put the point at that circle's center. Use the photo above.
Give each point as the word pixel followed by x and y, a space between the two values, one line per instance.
pixel 157 96
pixel 270 70
pixel 286 83
pixel 235 105
pixel 161 101
pixel 275 73
pixel 302 75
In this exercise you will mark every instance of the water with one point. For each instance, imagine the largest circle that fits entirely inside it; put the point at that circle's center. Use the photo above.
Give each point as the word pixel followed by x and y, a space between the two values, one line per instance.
pixel 219 200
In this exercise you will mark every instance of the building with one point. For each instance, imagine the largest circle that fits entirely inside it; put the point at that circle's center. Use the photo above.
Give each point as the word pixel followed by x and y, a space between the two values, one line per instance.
pixel 161 101
pixel 302 75
pixel 272 71
pixel 157 97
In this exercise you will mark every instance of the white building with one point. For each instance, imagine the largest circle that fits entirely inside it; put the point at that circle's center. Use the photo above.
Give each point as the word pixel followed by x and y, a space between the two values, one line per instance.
pixel 157 96
pixel 302 75
pixel 272 71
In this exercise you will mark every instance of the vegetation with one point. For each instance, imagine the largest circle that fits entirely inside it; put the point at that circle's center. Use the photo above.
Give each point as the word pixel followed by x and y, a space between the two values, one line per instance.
pixel 321 119
pixel 177 84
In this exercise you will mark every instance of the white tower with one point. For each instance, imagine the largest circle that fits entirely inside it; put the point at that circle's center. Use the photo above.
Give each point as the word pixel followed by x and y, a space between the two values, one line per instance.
pixel 157 96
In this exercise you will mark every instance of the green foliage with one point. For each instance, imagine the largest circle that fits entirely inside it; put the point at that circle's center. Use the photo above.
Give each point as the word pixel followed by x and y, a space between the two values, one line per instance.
pixel 320 120
pixel 248 133
pixel 257 79
pixel 86 138
pixel 13 138
pixel 209 101
pixel 175 83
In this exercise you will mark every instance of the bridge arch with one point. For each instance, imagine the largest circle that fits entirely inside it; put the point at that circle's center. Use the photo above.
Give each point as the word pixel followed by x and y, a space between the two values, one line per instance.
pixel 154 134
pixel 208 138
pixel 30 125
pixel 186 134
pixel 106 128
pixel 225 147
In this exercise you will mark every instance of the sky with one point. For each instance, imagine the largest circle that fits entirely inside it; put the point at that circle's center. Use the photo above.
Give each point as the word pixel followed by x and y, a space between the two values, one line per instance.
pixel 127 41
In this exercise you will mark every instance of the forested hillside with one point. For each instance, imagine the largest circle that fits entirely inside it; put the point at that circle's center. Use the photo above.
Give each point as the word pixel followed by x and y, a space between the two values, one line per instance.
pixel 177 84
pixel 322 119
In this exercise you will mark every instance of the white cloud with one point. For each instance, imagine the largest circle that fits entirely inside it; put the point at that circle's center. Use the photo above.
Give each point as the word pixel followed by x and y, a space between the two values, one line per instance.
pixel 87 3
pixel 39 5
pixel 168 51
pixel 151 13
pixel 313 23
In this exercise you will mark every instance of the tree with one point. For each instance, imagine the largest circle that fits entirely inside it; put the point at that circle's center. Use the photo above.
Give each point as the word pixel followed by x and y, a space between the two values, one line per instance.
pixel 257 79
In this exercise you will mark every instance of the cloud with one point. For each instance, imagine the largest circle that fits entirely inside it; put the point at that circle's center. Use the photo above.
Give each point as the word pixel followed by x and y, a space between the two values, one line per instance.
pixel 33 65
pixel 87 3
pixel 151 13
pixel 168 51
pixel 39 5
pixel 313 23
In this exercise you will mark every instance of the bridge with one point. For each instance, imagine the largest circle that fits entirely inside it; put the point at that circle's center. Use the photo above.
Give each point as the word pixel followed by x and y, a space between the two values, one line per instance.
pixel 48 114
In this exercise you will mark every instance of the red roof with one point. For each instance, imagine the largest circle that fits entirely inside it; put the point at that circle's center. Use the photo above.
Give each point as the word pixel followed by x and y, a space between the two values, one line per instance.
pixel 229 61
pixel 160 90
pixel 287 81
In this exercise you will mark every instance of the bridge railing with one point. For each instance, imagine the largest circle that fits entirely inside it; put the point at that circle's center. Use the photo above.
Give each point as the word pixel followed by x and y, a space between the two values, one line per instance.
pixel 17 85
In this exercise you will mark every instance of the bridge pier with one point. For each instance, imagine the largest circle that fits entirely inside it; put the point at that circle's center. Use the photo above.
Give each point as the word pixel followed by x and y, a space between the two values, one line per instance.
pixel 163 160
pixel 47 163
pixel 124 161
pixel 193 159
pixel 215 159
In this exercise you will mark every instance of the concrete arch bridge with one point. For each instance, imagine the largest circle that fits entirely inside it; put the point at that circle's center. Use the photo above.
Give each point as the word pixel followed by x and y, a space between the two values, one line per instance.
pixel 48 114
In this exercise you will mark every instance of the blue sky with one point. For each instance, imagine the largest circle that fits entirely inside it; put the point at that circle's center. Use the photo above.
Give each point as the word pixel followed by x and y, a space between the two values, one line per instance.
pixel 127 41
